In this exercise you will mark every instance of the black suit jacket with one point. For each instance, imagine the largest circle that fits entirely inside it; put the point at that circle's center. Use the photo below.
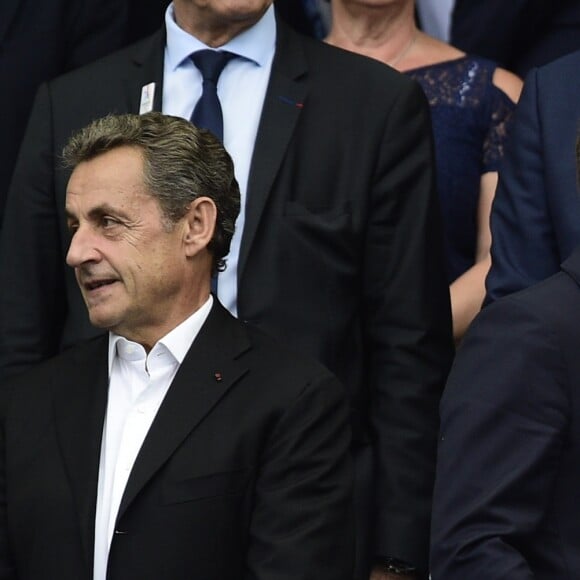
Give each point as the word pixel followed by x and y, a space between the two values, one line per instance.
pixel 519 34
pixel 248 477
pixel 341 251
pixel 508 473
pixel 38 41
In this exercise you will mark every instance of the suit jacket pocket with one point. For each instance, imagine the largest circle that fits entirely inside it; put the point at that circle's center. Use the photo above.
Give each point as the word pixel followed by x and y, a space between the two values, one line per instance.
pixel 340 214
pixel 206 486
pixel 326 232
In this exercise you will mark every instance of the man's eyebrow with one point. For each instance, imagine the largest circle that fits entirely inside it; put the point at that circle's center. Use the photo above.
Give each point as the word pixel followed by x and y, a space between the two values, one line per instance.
pixel 98 211
pixel 105 209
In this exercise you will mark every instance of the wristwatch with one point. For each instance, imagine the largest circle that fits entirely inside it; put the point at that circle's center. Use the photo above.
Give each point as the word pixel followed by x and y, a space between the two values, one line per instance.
pixel 396 566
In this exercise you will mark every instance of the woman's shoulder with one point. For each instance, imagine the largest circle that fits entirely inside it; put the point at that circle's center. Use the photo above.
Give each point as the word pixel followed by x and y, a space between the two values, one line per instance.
pixel 465 79
pixel 508 82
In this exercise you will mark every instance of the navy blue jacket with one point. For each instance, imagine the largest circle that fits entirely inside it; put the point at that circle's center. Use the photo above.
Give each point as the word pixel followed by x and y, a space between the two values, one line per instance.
pixel 508 473
pixel 535 219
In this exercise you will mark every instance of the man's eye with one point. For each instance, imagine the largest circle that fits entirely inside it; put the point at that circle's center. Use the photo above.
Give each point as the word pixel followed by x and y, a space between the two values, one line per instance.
pixel 109 222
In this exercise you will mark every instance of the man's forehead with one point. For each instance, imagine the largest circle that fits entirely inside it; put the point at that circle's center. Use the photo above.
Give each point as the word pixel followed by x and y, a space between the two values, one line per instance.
pixel 118 173
pixel 99 200
pixel 118 164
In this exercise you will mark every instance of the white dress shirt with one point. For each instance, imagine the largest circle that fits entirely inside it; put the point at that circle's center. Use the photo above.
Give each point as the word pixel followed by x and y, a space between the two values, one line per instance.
pixel 435 16
pixel 138 383
pixel 241 90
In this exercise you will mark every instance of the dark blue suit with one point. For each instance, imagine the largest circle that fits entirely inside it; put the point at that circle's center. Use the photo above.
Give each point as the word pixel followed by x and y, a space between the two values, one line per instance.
pixel 518 34
pixel 508 475
pixel 535 220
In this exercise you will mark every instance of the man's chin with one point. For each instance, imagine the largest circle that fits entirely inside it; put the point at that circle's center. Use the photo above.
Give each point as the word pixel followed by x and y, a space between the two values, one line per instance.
pixel 101 319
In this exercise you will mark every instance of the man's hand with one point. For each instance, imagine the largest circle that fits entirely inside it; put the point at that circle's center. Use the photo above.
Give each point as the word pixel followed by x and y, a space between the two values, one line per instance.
pixel 379 574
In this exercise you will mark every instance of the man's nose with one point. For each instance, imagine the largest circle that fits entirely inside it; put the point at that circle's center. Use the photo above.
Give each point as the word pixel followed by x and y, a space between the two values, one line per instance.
pixel 83 247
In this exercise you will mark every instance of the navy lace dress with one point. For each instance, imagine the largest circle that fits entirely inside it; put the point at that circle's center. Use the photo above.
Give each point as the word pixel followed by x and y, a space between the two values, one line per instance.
pixel 471 118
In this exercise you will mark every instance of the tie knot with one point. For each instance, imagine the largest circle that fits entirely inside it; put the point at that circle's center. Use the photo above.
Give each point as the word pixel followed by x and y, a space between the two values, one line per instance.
pixel 210 63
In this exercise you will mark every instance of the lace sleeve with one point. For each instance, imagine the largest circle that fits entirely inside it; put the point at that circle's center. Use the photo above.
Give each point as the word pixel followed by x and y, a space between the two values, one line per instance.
pixel 465 105
pixel 500 120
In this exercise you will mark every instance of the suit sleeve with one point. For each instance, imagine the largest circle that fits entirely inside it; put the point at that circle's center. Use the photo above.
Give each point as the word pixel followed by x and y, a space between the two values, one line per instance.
pixel 408 329
pixel 32 293
pixel 524 249
pixel 504 415
pixel 302 522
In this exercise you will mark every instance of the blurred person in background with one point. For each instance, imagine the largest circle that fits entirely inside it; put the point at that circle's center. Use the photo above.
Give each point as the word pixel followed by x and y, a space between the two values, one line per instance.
pixel 435 17
pixel 38 41
pixel 519 34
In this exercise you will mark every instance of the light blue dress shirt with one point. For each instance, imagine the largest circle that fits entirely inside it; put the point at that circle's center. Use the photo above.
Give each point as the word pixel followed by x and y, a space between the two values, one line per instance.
pixel 241 90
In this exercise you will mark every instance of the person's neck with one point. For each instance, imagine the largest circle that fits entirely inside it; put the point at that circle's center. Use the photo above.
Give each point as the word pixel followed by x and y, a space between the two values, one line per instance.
pixel 212 31
pixel 183 307
pixel 385 33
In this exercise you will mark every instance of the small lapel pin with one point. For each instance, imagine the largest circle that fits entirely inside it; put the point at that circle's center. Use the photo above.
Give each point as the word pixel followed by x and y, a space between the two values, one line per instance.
pixel 217 376
pixel 289 101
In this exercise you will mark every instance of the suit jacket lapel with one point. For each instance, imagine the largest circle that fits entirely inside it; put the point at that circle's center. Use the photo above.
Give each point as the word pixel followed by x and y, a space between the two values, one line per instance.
pixel 147 61
pixel 7 13
pixel 208 371
pixel 285 97
pixel 572 265
pixel 80 405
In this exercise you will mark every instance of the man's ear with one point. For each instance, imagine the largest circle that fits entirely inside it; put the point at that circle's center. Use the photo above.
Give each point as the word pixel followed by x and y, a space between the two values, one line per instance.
pixel 200 225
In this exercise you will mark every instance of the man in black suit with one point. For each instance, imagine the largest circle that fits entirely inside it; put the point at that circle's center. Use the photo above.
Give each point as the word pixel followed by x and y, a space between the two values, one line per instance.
pixel 38 41
pixel 337 249
pixel 519 34
pixel 508 469
pixel 182 444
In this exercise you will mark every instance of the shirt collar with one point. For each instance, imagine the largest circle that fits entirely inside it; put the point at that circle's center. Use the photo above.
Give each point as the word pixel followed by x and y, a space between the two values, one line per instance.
pixel 255 44
pixel 178 341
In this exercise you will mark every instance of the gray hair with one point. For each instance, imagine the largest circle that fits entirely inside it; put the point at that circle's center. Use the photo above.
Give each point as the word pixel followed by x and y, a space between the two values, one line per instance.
pixel 180 164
